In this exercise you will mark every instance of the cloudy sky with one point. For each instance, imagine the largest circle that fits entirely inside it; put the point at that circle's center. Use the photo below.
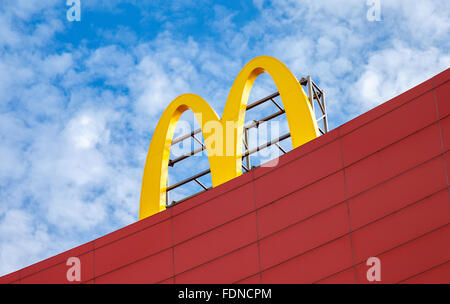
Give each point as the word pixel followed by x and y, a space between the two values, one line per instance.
pixel 79 100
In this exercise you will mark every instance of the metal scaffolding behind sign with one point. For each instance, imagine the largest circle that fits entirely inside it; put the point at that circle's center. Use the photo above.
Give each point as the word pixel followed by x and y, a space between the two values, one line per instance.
pixel 317 99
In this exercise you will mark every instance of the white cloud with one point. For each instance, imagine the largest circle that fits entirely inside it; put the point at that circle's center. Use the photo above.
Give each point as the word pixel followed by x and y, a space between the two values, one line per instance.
pixel 56 64
pixel 25 9
pixel 392 71
pixel 87 130
pixel 22 239
pixel 425 22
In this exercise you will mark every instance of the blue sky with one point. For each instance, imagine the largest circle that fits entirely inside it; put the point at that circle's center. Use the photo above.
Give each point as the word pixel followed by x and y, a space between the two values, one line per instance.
pixel 79 100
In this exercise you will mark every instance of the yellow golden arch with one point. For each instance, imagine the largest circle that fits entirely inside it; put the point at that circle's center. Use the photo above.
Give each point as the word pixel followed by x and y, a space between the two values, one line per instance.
pixel 300 116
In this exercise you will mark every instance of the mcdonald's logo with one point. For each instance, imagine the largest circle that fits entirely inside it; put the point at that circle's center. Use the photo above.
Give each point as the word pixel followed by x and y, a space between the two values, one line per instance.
pixel 224 166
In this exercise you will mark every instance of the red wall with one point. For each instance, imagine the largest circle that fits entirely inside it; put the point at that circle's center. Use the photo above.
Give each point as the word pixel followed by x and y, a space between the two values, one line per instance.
pixel 376 186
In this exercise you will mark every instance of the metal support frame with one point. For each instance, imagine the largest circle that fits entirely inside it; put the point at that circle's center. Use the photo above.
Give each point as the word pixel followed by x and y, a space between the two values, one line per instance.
pixel 315 95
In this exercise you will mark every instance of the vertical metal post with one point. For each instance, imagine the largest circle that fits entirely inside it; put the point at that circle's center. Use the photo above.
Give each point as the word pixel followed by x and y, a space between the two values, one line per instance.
pixel 325 120
pixel 246 145
pixel 167 192
pixel 310 92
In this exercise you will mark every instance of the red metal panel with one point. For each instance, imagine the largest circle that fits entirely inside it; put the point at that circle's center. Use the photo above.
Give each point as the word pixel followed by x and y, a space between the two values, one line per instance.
pixel 386 107
pixel 445 129
pixel 391 127
pixel 298 173
pixel 412 258
pixel 299 152
pixel 230 268
pixel 133 247
pixel 218 211
pixel 304 236
pixel 10 278
pixel 398 192
pixel 301 204
pixel 343 277
pixel 153 269
pixel 312 266
pixel 133 228
pixel 440 78
pixel 401 226
pixel 215 243
pixel 256 279
pixel 168 281
pixel 438 275
pixel 447 163
pixel 57 274
pixel 57 259
pixel 212 195
pixel 443 99
pixel 393 160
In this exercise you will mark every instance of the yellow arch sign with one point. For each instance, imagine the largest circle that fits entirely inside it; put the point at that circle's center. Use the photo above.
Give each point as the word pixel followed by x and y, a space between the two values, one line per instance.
pixel 224 167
